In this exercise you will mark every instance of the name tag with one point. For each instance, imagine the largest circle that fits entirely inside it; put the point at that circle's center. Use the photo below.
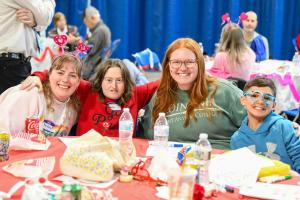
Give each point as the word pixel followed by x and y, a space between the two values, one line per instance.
pixel 48 128
pixel 114 106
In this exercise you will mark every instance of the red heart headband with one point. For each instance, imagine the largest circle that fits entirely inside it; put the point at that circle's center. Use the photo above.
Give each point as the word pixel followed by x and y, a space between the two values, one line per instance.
pixel 61 41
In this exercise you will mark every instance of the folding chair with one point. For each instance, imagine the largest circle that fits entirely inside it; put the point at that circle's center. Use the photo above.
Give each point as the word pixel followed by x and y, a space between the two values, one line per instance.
pixel 108 51
pixel 240 83
pixel 292 115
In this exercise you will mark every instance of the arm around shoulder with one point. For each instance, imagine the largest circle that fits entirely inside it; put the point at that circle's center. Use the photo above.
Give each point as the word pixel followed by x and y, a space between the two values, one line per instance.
pixel 145 92
pixel 228 99
pixel 14 113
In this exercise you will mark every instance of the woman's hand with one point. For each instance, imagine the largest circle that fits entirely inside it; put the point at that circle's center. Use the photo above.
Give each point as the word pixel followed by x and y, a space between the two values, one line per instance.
pixel 31 82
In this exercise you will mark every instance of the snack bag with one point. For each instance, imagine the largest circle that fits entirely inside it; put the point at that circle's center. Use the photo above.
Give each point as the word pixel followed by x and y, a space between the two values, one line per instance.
pixel 92 157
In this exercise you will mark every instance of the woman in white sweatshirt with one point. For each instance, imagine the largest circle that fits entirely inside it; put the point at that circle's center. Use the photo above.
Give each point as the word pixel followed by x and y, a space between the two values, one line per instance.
pixel 56 107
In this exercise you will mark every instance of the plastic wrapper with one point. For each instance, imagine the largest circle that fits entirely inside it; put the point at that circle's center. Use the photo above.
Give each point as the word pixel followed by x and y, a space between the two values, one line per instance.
pixel 93 157
pixel 31 168
pixel 28 141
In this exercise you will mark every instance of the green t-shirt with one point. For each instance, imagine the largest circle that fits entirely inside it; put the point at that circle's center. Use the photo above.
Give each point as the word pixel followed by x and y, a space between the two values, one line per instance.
pixel 226 117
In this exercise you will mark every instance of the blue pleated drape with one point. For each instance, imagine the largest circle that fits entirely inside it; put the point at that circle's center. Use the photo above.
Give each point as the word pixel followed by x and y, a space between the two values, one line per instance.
pixel 155 24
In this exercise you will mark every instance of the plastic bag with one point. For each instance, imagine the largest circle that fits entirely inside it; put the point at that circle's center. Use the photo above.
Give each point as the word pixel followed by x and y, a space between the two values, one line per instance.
pixel 93 157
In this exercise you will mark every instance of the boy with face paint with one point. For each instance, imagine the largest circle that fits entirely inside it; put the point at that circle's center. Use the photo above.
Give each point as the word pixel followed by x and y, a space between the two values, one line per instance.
pixel 263 131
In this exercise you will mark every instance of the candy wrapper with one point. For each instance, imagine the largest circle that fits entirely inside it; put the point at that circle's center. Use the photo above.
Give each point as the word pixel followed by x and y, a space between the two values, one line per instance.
pixel 184 153
pixel 28 141
pixel 32 168
pixel 4 144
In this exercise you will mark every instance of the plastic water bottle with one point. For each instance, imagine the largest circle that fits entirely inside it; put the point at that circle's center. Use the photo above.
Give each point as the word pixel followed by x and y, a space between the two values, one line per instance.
pixel 125 125
pixel 203 153
pixel 125 134
pixel 296 59
pixel 161 131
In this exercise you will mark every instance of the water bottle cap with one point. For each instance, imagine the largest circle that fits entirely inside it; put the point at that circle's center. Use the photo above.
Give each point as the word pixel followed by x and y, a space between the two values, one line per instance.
pixel 203 136
pixel 126 109
pixel 162 114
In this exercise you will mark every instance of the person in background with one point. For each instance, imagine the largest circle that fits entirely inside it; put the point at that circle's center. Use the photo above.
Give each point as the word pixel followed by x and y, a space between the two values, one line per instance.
pixel 193 101
pixel 99 39
pixel 234 59
pixel 263 131
pixel 62 28
pixel 257 42
pixel 19 23
pixel 137 76
pixel 56 107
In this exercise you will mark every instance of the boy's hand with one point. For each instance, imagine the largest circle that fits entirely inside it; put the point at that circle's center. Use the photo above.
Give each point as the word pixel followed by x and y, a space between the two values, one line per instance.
pixel 31 82
pixel 297 127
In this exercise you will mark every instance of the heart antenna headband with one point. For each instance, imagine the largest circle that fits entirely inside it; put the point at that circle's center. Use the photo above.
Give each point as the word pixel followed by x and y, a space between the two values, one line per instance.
pixel 61 41
pixel 226 18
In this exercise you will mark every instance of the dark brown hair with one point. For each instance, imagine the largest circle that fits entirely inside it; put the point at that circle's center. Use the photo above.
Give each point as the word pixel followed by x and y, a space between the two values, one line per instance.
pixel 56 65
pixel 166 92
pixel 99 75
pixel 261 82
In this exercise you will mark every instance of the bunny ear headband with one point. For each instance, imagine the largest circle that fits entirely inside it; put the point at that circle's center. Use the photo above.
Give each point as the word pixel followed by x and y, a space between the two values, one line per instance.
pixel 61 41
pixel 226 18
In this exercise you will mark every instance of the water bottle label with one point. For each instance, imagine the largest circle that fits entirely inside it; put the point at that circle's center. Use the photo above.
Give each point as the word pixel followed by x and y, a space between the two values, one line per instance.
pixel 161 130
pixel 125 130
pixel 126 126
pixel 203 154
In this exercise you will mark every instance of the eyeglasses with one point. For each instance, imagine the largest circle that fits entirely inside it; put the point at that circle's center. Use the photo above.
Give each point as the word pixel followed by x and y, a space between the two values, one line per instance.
pixel 140 173
pixel 255 96
pixel 176 64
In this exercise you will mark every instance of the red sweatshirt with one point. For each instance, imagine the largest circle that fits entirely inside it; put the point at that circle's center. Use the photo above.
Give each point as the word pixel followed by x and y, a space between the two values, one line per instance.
pixel 100 116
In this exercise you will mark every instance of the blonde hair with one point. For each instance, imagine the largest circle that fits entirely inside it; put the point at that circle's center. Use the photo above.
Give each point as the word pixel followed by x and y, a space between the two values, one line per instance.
pixel 166 92
pixel 57 16
pixel 56 65
pixel 232 41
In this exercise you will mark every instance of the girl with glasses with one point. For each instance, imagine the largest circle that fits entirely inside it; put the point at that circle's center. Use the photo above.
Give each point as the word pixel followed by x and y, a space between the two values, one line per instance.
pixel 193 101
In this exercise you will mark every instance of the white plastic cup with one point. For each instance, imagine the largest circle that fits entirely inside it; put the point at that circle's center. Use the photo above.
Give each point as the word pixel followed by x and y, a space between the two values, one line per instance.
pixel 181 184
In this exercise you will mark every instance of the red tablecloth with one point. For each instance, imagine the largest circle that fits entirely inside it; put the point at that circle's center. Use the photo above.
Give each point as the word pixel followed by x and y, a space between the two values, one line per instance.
pixel 133 190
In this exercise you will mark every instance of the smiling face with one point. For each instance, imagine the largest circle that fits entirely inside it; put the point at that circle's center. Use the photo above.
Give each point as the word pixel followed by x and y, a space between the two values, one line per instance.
pixel 258 102
pixel 64 81
pixel 250 24
pixel 113 83
pixel 183 68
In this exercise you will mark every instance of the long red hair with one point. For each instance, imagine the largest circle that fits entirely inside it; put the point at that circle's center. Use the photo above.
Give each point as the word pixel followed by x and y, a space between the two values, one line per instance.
pixel 166 92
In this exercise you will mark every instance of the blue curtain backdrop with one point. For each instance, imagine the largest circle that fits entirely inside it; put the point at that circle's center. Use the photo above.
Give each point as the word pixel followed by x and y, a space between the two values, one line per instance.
pixel 156 23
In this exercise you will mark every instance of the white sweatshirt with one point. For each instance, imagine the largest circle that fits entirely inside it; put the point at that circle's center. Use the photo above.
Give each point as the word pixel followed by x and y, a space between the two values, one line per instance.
pixel 16 105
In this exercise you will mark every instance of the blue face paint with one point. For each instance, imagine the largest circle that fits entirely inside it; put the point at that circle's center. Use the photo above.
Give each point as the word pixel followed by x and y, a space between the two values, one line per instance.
pixel 255 96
